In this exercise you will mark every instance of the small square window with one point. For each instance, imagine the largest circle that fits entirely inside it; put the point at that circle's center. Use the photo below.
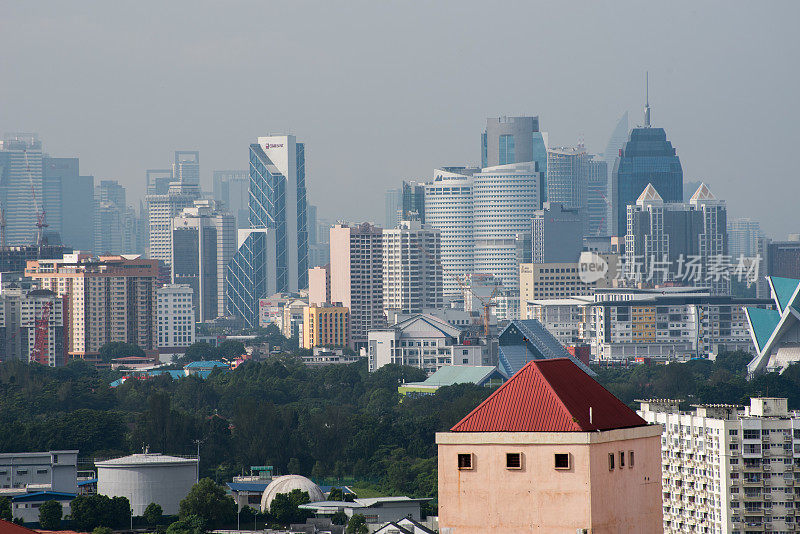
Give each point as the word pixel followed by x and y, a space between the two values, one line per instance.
pixel 465 461
pixel 562 460
pixel 611 461
pixel 630 458
pixel 513 460
pixel 621 459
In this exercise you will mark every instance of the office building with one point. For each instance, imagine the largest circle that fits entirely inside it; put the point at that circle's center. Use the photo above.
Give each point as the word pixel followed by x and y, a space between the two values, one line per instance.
pixel 648 158
pixel 176 320
pixel 325 325
pixel 504 201
pixel 69 202
pixel 393 207
pixel 556 234
pixel 449 209
pixel 412 275
pixel 684 243
pixel 203 243
pixel 616 143
pixel 516 140
pixel 357 277
pixel 592 465
pixel 725 468
pixel 743 235
pixel 538 281
pixel 319 285
pixel 277 215
pixel 413 201
pixel 15 258
pixel 568 176
pixel 565 318
pixel 783 258
pixel 108 229
pixel 186 167
pixel 107 299
pixel 158 181
pixel 232 192
pixel 423 341
pixel 774 331
pixel 21 186
pixel 292 325
pixel 162 209
pixel 597 198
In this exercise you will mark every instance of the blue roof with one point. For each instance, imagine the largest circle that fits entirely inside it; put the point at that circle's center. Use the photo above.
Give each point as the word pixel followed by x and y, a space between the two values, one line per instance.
pixel 345 489
pixel 206 364
pixel 784 289
pixel 248 486
pixel 526 340
pixel 44 496
pixel 85 482
pixel 763 323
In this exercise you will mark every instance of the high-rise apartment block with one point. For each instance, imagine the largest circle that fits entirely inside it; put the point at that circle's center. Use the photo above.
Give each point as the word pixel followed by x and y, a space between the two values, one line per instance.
pixel 107 299
pixel 648 158
pixel 357 276
pixel 32 326
pixel 325 325
pixel 319 285
pixel 556 234
pixel 176 320
pixel 272 255
pixel 203 242
pixel 728 469
pixel 412 273
pixel 232 192
pixel 678 242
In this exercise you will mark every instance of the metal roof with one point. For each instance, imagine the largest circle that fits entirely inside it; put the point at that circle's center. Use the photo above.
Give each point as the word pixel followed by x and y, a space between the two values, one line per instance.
pixel 524 341
pixel 449 375
pixel 549 396
pixel 44 496
pixel 149 458
pixel 248 486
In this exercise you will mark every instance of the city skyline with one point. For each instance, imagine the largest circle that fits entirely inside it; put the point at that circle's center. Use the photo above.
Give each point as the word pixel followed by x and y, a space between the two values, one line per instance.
pixel 703 106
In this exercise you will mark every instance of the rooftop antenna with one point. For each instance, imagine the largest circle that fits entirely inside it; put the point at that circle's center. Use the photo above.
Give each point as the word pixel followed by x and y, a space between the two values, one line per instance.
pixel 647 99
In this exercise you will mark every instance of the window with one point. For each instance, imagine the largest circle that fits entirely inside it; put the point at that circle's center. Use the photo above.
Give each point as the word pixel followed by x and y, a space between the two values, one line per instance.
pixel 465 461
pixel 621 459
pixel 513 460
pixel 611 461
pixel 562 460
pixel 630 458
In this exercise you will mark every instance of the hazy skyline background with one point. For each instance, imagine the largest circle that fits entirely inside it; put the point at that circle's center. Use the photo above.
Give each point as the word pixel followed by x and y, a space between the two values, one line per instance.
pixel 386 91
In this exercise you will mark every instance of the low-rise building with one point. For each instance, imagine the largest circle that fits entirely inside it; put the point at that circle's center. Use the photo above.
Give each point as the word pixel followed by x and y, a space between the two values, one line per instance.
pixel 423 341
pixel 28 472
pixel 325 325
pixel 450 375
pixel 564 318
pixel 326 356
pixel 550 451
pixel 728 469
pixel 538 281
pixel 374 510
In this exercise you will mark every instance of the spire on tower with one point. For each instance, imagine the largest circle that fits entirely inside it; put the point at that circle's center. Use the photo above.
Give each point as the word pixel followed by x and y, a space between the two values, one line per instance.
pixel 647 99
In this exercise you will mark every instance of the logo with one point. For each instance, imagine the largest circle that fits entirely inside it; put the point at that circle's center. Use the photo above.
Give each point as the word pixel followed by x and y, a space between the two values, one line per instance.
pixel 267 146
pixel 591 267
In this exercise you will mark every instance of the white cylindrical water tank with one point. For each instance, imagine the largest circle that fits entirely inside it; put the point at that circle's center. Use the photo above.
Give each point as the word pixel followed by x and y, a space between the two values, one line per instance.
pixel 146 478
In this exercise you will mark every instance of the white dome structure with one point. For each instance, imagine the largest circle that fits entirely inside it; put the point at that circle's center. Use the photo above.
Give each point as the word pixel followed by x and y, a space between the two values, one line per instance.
pixel 287 483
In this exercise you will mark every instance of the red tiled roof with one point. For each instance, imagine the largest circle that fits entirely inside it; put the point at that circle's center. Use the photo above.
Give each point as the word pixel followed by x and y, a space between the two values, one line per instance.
pixel 549 396
pixel 7 527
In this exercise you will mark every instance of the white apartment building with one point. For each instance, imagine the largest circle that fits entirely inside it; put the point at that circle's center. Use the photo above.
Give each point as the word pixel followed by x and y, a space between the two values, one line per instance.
pixel 412 273
pixel 449 208
pixel 422 341
pixel 728 469
pixel 505 199
pixel 20 310
pixel 176 320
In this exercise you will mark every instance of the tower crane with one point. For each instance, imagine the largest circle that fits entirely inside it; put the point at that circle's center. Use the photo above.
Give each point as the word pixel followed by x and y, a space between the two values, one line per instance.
pixel 41 219
pixel 40 338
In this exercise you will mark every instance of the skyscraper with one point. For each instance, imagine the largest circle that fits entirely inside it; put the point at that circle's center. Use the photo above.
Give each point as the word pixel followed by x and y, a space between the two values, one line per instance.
pixel 412 273
pixel 597 198
pixel 277 206
pixel 186 168
pixel 70 207
pixel 203 242
pixel 158 181
pixel 110 210
pixel 505 199
pixel 616 142
pixel 568 176
pixel 413 201
pixel 393 207
pixel 21 191
pixel 515 140
pixel 232 190
pixel 556 234
pixel 162 209
pixel 648 158
pixel 449 208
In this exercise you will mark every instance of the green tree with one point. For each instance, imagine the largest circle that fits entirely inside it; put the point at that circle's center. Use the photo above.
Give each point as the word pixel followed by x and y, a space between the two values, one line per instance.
pixel 284 508
pixel 357 525
pixel 119 349
pixel 153 514
pixel 231 349
pixel 339 518
pixel 201 351
pixel 102 530
pixel 208 501
pixel 5 508
pixel 120 512
pixel 50 515
pixel 191 524
pixel 336 494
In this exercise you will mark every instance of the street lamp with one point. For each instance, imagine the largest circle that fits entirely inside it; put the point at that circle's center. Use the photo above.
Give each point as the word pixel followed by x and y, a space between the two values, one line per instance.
pixel 131 517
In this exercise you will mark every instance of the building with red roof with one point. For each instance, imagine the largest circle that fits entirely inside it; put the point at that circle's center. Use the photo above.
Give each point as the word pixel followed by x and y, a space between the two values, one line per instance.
pixel 551 450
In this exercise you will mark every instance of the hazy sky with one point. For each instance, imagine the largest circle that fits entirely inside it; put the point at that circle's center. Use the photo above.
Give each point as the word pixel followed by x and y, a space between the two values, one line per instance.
pixel 382 91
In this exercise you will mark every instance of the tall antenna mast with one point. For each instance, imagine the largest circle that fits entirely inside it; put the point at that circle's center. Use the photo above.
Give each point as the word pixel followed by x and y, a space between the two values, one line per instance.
pixel 647 99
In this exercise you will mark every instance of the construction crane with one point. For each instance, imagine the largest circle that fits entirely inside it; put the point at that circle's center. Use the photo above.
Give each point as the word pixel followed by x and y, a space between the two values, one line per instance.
pixel 41 331
pixel 41 219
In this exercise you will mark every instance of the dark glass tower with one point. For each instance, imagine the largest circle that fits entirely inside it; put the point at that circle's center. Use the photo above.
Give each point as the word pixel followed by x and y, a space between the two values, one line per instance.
pixel 648 158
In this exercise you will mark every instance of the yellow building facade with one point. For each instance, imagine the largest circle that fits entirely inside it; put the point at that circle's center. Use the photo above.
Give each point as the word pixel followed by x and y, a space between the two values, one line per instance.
pixel 326 326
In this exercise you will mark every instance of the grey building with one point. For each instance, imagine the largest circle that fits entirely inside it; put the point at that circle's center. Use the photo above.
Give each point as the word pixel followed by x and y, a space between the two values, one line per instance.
pixel 39 471
pixel 203 242
pixel 556 234
pixel 393 207
pixel 69 202
pixel 568 176
pixel 21 186
pixel 413 201
pixel 675 241
pixel 158 181
pixel 515 140
pixel 597 198
pixel 186 168
pixel 232 191
pixel 110 211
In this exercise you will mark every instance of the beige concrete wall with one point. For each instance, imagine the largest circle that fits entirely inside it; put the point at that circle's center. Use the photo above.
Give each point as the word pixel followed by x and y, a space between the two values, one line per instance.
pixel 540 498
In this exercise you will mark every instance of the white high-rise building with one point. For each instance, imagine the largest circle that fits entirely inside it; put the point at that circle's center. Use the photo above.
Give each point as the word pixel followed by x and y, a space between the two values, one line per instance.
pixel 162 209
pixel 176 320
pixel 743 235
pixel 728 469
pixel 20 176
pixel 449 208
pixel 412 275
pixel 505 199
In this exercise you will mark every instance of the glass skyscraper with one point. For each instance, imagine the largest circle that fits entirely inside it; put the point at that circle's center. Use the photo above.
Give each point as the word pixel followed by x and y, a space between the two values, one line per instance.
pixel 648 158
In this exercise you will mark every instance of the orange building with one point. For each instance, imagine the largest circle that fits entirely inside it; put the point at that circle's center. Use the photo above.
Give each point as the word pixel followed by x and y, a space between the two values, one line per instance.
pixel 550 451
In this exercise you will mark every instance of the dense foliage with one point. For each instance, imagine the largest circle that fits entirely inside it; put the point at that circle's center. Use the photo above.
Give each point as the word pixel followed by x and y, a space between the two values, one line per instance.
pixel 50 515
pixel 90 511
